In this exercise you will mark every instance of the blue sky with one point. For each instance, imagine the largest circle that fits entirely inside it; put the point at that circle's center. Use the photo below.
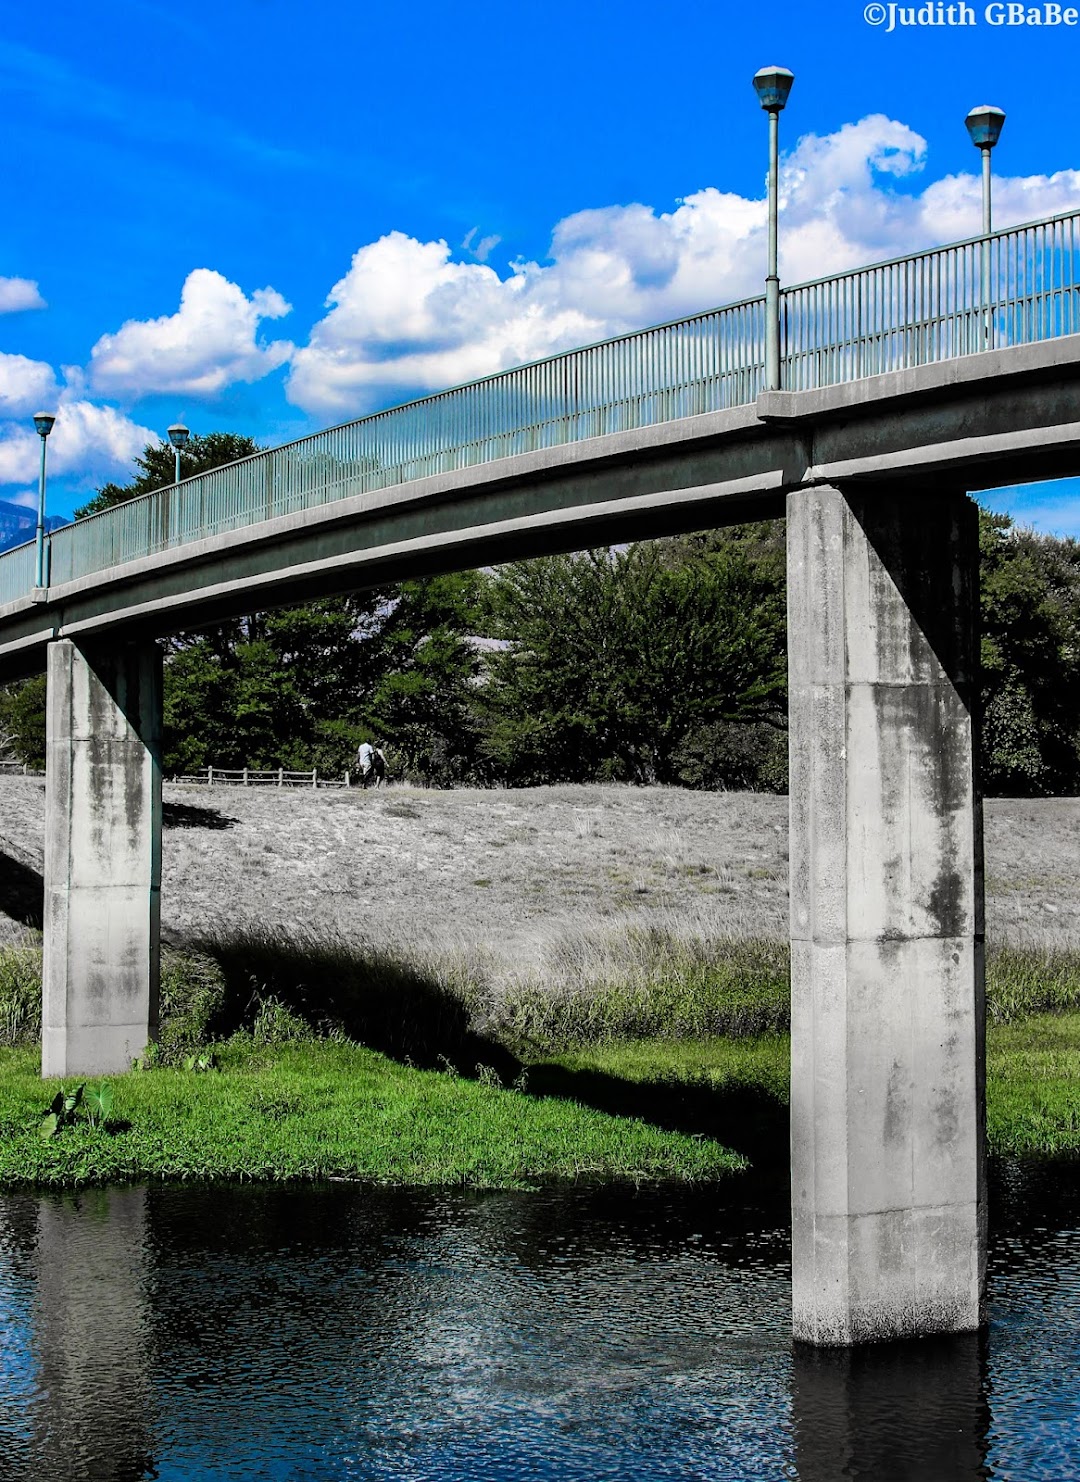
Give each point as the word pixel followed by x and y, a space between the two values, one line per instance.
pixel 263 217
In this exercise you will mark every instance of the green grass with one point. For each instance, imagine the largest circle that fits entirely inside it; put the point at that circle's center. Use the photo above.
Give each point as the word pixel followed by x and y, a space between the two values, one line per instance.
pixel 761 1062
pixel 650 981
pixel 1032 1083
pixel 1022 981
pixel 637 983
pixel 678 1069
pixel 1033 1086
pixel 326 1109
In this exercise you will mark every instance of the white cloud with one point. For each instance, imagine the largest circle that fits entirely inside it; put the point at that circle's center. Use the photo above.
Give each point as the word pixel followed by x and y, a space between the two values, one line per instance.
pixel 483 249
pixel 90 443
pixel 26 386
pixel 209 343
pixel 19 293
pixel 406 318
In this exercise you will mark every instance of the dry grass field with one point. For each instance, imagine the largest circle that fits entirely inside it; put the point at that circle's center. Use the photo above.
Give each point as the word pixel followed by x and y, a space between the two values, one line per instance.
pixel 530 881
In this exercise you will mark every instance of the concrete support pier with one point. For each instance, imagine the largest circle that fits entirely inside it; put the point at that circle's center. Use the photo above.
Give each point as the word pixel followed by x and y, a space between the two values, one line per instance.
pixel 887 1031
pixel 102 856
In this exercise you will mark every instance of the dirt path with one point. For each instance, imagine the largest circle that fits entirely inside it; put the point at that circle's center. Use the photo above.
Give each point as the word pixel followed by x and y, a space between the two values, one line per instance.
pixel 513 872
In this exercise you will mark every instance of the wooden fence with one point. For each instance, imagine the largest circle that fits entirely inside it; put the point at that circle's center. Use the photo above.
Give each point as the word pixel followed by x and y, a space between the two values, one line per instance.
pixel 252 777
pixel 221 777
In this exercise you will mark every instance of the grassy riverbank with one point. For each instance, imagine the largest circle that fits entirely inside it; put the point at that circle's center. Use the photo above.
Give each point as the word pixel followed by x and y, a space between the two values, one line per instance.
pixel 333 1110
pixel 641 1110
pixel 661 1057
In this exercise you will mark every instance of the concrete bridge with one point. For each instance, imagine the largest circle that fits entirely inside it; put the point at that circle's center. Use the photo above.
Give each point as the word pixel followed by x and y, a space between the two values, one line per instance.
pixel 906 384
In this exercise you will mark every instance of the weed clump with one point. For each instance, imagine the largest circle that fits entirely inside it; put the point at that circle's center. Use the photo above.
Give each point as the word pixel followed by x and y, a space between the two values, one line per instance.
pixel 1026 980
pixel 20 995
pixel 193 1002
pixel 649 982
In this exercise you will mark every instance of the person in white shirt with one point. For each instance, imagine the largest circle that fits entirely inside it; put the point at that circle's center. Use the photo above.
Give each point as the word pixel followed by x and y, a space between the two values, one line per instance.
pixel 365 760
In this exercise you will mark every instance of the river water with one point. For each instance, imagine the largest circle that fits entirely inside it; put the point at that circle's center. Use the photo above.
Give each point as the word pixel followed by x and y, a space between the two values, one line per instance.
pixel 338 1333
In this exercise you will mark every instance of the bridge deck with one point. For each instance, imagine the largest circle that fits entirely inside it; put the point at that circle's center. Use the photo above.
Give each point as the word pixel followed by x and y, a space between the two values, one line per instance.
pixel 915 311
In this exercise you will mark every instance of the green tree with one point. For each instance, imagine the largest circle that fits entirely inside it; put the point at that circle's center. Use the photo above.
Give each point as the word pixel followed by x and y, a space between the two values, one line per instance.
pixel 157 467
pixel 281 688
pixel 1030 610
pixel 423 703
pixel 22 721
pixel 617 664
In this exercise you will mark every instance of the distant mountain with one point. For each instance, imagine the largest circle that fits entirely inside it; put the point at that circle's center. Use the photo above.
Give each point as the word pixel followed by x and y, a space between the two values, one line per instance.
pixel 17 524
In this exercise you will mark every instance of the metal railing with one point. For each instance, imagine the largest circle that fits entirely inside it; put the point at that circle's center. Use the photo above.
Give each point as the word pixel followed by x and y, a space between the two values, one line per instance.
pixel 917 309
pixel 930 306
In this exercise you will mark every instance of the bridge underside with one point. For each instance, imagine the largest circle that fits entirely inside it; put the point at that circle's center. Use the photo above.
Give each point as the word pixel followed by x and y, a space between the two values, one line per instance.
pixel 888 1180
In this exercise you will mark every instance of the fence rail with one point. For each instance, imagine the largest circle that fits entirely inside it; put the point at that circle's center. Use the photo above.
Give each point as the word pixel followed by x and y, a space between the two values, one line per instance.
pixel 1015 287
pixel 254 777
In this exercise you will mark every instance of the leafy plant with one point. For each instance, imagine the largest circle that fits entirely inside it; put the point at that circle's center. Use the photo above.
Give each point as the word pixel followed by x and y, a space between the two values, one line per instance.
pixel 62 1110
pixel 199 1064
pixel 97 1103
pixel 66 1106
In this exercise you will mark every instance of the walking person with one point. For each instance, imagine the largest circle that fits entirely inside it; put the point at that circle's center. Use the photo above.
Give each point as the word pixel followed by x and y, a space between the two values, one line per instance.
pixel 365 761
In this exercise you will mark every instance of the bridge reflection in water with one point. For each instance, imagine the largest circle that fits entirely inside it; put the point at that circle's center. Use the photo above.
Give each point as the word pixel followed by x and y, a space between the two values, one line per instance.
pixel 338 1333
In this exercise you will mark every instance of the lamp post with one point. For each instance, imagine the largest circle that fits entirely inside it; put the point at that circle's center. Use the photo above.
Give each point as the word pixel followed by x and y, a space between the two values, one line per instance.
pixel 984 125
pixel 43 421
pixel 772 85
pixel 178 436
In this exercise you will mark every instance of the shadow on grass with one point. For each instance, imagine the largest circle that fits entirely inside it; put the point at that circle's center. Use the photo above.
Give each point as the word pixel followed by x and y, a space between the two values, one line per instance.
pixel 189 815
pixel 366 993
pixel 22 892
pixel 747 1119
pixel 279 984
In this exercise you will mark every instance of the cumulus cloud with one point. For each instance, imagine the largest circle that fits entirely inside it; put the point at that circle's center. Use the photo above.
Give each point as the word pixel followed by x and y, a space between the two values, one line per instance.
pixel 19 293
pixel 26 386
pixel 89 442
pixel 406 318
pixel 209 343
pixel 481 250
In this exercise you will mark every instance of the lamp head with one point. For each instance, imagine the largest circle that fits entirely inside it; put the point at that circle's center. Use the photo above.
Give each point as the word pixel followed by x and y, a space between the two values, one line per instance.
pixel 984 125
pixel 179 435
pixel 43 421
pixel 772 85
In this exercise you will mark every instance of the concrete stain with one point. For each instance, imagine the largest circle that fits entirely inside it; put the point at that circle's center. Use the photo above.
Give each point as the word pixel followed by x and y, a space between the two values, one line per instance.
pixel 897 1105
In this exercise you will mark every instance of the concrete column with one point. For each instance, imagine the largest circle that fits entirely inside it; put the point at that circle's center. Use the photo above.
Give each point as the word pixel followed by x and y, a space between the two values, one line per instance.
pixel 887 1013
pixel 102 856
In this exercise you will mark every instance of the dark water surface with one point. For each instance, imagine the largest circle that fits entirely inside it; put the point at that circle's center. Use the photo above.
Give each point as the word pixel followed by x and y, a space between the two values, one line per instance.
pixel 338 1333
